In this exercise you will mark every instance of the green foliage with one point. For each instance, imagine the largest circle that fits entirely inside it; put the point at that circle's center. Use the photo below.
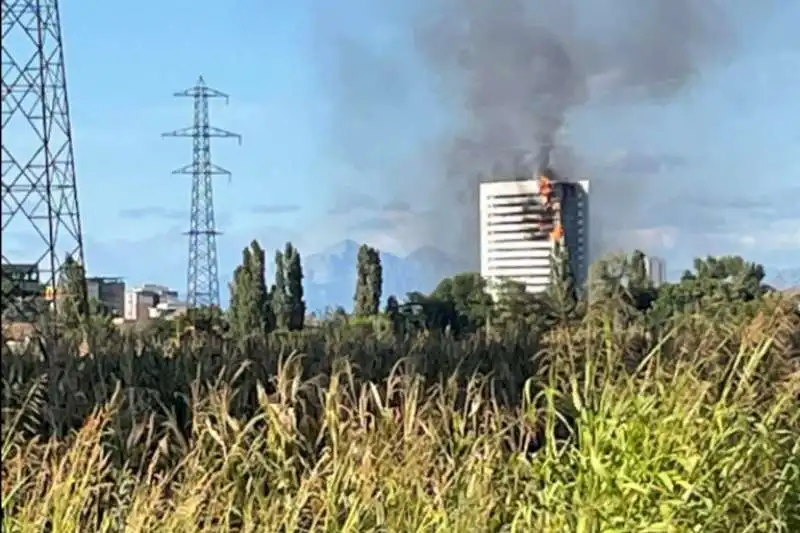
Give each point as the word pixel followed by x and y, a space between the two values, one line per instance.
pixel 466 294
pixel 393 314
pixel 728 284
pixel 8 292
pixel 295 303
pixel 608 280
pixel 584 428
pixel 392 306
pixel 72 302
pixel 278 297
pixel 515 305
pixel 459 305
pixel 208 319
pixel 286 296
pixel 614 416
pixel 558 305
pixel 638 270
pixel 369 282
pixel 339 315
pixel 561 298
pixel 159 330
pixel 251 310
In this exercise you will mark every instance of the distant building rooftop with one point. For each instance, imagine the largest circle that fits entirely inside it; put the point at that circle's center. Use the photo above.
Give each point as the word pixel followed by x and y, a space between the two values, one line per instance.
pixel 105 279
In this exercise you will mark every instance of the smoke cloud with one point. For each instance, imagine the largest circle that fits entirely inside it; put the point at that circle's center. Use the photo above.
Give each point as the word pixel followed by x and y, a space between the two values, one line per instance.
pixel 509 75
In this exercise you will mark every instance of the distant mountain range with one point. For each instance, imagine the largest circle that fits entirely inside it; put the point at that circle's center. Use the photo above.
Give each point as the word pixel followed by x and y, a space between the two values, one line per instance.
pixel 788 278
pixel 330 275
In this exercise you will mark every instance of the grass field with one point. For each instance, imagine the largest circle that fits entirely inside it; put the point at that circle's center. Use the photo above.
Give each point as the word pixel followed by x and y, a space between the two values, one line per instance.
pixel 590 428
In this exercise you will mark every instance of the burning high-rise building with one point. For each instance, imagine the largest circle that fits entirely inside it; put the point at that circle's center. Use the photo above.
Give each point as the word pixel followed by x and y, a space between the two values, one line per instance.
pixel 524 222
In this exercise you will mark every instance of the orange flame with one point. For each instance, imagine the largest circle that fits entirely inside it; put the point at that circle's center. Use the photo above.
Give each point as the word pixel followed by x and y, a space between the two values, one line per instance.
pixel 545 185
pixel 558 233
pixel 545 189
pixel 49 293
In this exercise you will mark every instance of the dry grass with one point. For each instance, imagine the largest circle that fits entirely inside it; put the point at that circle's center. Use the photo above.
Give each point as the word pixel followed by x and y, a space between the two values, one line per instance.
pixel 17 331
pixel 586 430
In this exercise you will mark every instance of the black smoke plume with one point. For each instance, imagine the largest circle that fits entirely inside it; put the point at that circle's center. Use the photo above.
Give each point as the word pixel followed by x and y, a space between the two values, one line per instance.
pixel 510 74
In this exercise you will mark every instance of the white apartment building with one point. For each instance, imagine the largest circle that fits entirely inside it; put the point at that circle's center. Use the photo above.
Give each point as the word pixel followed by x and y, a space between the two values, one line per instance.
pixel 656 270
pixel 516 223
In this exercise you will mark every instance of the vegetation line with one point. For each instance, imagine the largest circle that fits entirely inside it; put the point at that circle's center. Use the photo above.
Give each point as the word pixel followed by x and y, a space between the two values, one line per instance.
pixel 614 407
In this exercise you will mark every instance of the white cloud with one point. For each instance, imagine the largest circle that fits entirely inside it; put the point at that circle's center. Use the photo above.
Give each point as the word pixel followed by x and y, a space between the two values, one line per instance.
pixel 776 236
pixel 398 232
pixel 660 237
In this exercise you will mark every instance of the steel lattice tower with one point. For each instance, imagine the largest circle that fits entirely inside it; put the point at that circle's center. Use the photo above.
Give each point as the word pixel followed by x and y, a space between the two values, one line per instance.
pixel 202 278
pixel 41 221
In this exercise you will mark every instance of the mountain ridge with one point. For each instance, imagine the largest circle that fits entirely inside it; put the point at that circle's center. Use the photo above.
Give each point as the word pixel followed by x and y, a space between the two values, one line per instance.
pixel 330 275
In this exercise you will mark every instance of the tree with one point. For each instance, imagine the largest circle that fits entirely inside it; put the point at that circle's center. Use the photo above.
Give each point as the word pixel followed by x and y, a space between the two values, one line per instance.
pixel 72 302
pixel 278 294
pixel 729 284
pixel 339 315
pixel 730 277
pixel 641 291
pixel 240 308
pixel 208 319
pixel 250 310
pixel 375 279
pixel 637 275
pixel 258 275
pixel 369 282
pixel 295 304
pixel 416 297
pixel 562 295
pixel 9 293
pixel 606 279
pixel 513 303
pixel 392 306
pixel 467 294
pixel 393 313
pixel 611 292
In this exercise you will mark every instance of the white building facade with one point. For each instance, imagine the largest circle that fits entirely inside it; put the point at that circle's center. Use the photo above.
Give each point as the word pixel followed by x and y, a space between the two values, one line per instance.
pixel 151 301
pixel 517 227
pixel 656 270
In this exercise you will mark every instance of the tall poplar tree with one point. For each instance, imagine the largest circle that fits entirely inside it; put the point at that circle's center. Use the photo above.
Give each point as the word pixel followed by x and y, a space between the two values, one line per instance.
pixel 250 309
pixel 369 282
pixel 278 293
pixel 295 302
pixel 71 296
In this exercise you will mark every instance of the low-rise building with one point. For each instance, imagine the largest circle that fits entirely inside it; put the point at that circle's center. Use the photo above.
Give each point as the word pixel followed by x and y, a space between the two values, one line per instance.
pixel 152 301
pixel 109 292
pixel 167 309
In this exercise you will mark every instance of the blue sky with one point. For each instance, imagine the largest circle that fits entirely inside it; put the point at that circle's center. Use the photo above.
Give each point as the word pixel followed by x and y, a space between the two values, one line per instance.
pixel 717 167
